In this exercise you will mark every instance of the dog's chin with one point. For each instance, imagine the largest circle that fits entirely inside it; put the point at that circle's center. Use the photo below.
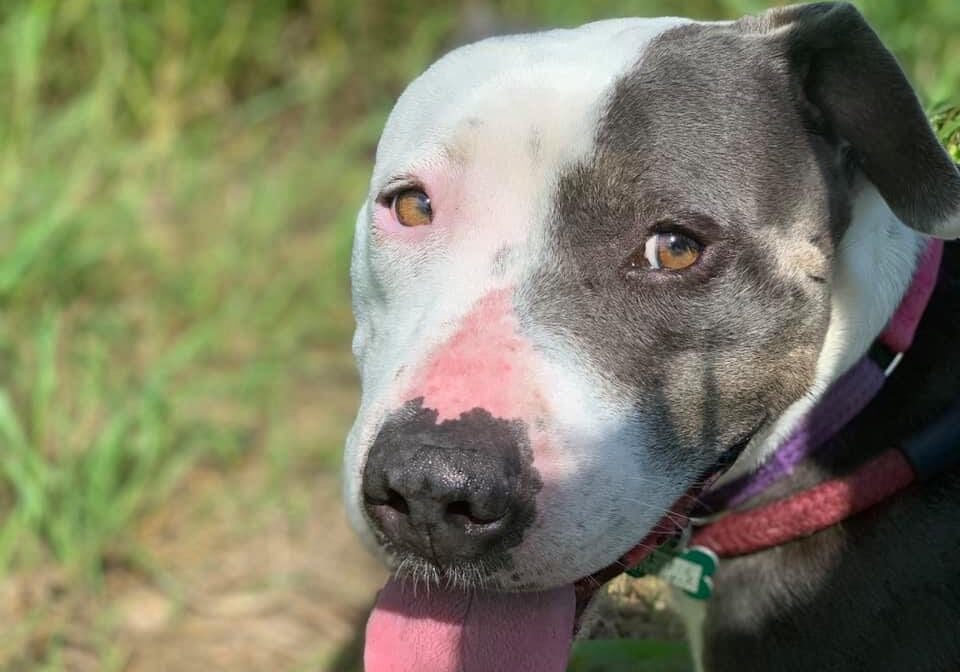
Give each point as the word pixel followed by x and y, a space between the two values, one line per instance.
pixel 493 576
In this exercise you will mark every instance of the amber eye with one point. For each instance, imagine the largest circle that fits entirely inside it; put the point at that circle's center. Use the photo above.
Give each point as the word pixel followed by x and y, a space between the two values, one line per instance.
pixel 412 208
pixel 671 251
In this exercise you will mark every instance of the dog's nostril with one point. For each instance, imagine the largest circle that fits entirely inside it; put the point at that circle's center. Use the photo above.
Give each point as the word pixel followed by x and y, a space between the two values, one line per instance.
pixel 397 502
pixel 391 500
pixel 464 510
pixel 459 509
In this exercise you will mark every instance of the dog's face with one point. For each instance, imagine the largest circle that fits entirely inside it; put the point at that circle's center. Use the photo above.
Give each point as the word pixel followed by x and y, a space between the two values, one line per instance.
pixel 592 262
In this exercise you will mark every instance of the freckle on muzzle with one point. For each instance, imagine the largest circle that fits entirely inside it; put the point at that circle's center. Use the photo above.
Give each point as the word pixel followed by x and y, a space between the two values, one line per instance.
pixel 455 491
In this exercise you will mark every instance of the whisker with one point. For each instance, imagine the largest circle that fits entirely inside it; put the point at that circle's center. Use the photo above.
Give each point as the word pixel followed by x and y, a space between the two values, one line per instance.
pixel 676 518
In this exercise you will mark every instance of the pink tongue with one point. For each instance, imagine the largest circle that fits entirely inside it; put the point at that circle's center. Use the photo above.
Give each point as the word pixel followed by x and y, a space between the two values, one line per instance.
pixel 434 630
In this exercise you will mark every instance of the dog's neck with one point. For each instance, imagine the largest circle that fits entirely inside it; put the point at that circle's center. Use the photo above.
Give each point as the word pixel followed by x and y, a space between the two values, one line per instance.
pixel 874 265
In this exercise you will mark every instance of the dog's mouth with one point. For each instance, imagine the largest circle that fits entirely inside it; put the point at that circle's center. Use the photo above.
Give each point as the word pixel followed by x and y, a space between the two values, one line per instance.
pixel 419 626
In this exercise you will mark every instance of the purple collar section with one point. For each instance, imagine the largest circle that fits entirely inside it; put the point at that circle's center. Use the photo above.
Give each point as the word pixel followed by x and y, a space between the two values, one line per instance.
pixel 843 400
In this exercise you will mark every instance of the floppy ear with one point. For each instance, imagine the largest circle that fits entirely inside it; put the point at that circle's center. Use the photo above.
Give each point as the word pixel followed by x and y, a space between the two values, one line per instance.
pixel 856 92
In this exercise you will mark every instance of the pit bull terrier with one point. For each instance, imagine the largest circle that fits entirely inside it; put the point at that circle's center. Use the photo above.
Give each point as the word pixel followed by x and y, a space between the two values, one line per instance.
pixel 596 264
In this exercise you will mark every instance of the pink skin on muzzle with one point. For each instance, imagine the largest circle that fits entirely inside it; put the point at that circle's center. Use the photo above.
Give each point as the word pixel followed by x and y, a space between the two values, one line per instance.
pixel 486 364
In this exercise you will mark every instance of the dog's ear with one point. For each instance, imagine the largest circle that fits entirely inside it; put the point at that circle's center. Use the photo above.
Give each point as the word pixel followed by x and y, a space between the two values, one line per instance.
pixel 854 91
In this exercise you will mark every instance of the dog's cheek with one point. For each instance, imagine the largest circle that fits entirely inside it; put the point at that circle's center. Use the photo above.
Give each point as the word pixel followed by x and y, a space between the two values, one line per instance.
pixel 601 493
pixel 582 527
pixel 366 294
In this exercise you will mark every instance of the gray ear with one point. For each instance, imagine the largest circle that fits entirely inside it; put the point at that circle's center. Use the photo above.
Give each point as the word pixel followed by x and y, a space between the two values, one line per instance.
pixel 856 92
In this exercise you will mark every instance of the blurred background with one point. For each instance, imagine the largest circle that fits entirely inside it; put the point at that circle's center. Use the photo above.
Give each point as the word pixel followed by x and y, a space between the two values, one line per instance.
pixel 178 182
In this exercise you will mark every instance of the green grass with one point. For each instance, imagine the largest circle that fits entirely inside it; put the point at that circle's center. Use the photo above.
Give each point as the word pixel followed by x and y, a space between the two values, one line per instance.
pixel 175 231
pixel 946 121
pixel 629 656
pixel 178 182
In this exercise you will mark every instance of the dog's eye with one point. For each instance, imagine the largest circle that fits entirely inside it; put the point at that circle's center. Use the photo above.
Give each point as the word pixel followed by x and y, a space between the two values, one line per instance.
pixel 669 251
pixel 412 207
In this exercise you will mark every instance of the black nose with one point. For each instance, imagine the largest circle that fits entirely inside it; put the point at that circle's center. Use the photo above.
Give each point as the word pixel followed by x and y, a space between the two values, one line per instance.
pixel 458 490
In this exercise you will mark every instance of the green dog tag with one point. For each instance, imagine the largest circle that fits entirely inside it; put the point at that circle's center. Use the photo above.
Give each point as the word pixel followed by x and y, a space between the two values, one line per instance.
pixel 657 560
pixel 689 569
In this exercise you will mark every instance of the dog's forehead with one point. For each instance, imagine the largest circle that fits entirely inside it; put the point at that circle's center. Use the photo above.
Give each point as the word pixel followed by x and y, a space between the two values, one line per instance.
pixel 551 87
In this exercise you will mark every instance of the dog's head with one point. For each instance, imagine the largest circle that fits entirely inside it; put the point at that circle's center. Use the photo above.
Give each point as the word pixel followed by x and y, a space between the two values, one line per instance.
pixel 594 261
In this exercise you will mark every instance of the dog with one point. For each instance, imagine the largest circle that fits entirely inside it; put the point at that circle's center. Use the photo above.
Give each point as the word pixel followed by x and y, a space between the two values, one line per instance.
pixel 595 267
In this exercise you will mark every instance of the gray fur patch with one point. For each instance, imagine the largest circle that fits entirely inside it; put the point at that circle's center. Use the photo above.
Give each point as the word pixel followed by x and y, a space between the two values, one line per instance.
pixel 688 143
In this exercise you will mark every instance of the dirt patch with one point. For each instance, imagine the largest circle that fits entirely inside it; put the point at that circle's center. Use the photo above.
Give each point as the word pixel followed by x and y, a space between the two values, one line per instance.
pixel 281 594
pixel 270 593
pixel 226 583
